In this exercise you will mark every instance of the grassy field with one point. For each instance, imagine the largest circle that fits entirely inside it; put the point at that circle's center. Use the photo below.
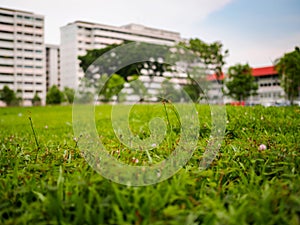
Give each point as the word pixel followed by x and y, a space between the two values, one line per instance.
pixel 53 184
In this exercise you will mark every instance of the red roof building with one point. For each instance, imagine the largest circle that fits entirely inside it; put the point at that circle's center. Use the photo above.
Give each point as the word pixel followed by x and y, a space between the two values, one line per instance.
pixel 264 71
pixel 269 89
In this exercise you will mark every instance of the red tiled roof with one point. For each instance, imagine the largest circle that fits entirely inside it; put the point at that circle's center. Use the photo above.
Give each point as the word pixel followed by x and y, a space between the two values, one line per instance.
pixel 264 71
pixel 257 72
pixel 214 77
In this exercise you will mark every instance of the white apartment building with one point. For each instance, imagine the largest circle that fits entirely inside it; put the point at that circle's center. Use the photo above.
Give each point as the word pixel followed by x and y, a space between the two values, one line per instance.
pixel 79 36
pixel 22 58
pixel 269 89
pixel 52 66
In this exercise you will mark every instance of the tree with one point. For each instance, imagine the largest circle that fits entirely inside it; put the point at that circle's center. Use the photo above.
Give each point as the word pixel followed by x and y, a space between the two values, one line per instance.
pixel 36 100
pixel 54 96
pixel 8 96
pixel 241 83
pixel 69 94
pixel 288 68
pixel 138 88
pixel 112 87
pixel 170 91
pixel 116 63
pixel 212 55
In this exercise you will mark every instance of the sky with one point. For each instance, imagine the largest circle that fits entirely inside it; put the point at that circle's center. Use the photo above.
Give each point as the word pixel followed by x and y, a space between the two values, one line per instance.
pixel 256 32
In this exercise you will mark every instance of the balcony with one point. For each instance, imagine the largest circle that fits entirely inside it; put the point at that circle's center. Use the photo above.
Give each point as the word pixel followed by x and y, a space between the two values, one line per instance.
pixel 25 70
pixel 7 53
pixel 6 61
pixel 39 31
pixel 6 78
pixel 6 35
pixel 5 69
pixel 7 19
pixel 7 28
pixel 6 44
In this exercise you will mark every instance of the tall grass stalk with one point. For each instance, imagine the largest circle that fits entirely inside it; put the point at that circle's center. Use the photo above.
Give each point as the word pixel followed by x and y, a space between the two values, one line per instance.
pixel 35 138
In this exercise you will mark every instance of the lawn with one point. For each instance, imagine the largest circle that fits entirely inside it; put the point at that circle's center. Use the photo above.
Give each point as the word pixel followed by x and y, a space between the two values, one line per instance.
pixel 48 180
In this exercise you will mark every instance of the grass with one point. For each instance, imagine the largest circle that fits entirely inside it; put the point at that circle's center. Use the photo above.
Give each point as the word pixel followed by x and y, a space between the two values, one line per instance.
pixel 242 186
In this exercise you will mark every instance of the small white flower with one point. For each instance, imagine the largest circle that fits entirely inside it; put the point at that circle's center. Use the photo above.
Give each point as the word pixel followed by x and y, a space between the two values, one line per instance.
pixel 262 147
pixel 158 174
pixel 46 127
pixel 134 160
pixel 75 139
pixel 153 145
pixel 20 114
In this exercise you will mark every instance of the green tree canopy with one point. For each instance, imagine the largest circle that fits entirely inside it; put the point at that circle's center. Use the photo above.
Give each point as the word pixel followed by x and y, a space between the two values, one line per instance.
pixel 138 87
pixel 113 63
pixel 241 83
pixel 288 68
pixel 69 94
pixel 211 54
pixel 8 96
pixel 54 96
pixel 36 99
pixel 112 87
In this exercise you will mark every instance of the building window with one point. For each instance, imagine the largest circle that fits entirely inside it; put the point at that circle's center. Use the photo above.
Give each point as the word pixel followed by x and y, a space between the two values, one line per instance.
pixel 6 57
pixel 7 40
pixel 6 65
pixel 6 82
pixel 9 24
pixel 3 48
pixel 7 15
pixel 6 74
pixel 28 17
pixel 7 32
